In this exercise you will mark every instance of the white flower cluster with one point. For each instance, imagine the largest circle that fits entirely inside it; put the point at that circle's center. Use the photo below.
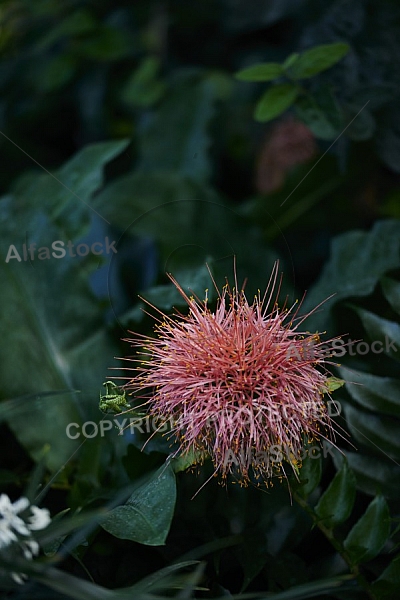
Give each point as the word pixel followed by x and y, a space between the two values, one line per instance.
pixel 15 530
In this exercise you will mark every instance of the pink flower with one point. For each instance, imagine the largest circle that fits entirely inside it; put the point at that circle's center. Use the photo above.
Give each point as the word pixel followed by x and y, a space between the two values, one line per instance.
pixel 241 384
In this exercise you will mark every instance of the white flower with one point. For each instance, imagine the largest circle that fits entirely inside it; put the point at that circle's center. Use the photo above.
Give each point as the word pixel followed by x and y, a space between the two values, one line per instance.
pixel 6 534
pixel 8 514
pixel 39 519
pixel 11 525
pixel 30 549
pixel 6 505
pixel 19 577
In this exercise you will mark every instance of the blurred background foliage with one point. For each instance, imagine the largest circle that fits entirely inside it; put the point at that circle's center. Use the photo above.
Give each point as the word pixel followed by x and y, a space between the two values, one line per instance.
pixel 132 120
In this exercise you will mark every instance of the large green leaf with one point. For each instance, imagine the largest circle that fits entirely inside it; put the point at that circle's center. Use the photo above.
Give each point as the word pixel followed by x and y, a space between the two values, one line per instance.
pixel 187 220
pixel 275 101
pixel 50 342
pixel 53 339
pixel 261 72
pixel 161 204
pixel 146 517
pixel 66 196
pixel 391 289
pixel 374 474
pixel 318 59
pixel 381 330
pixel 337 501
pixel 358 260
pixel 40 423
pixel 369 534
pixel 176 136
pixel 377 432
pixel 380 394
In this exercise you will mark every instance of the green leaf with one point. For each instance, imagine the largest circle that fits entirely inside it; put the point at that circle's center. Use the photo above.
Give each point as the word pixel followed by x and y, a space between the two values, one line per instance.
pixel 155 204
pixel 336 503
pixel 373 474
pixel 391 290
pixel 183 462
pixel 66 349
pixel 172 210
pixel 369 534
pixel 380 394
pixel 358 260
pixel 80 589
pixel 261 72
pixel 275 101
pixel 189 222
pixel 193 281
pixel 146 517
pixel 381 330
pixel 309 475
pixel 83 175
pixel 324 125
pixel 63 524
pixel 175 138
pixel 143 89
pixel 66 197
pixel 290 60
pixel 74 587
pixel 386 587
pixel 161 579
pixel 318 59
pixel 377 432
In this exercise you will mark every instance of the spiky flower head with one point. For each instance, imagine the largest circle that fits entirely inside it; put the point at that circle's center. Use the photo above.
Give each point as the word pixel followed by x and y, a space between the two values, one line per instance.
pixel 241 385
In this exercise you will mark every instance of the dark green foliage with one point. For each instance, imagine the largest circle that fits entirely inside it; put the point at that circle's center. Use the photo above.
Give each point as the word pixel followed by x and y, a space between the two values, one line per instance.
pixel 131 124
